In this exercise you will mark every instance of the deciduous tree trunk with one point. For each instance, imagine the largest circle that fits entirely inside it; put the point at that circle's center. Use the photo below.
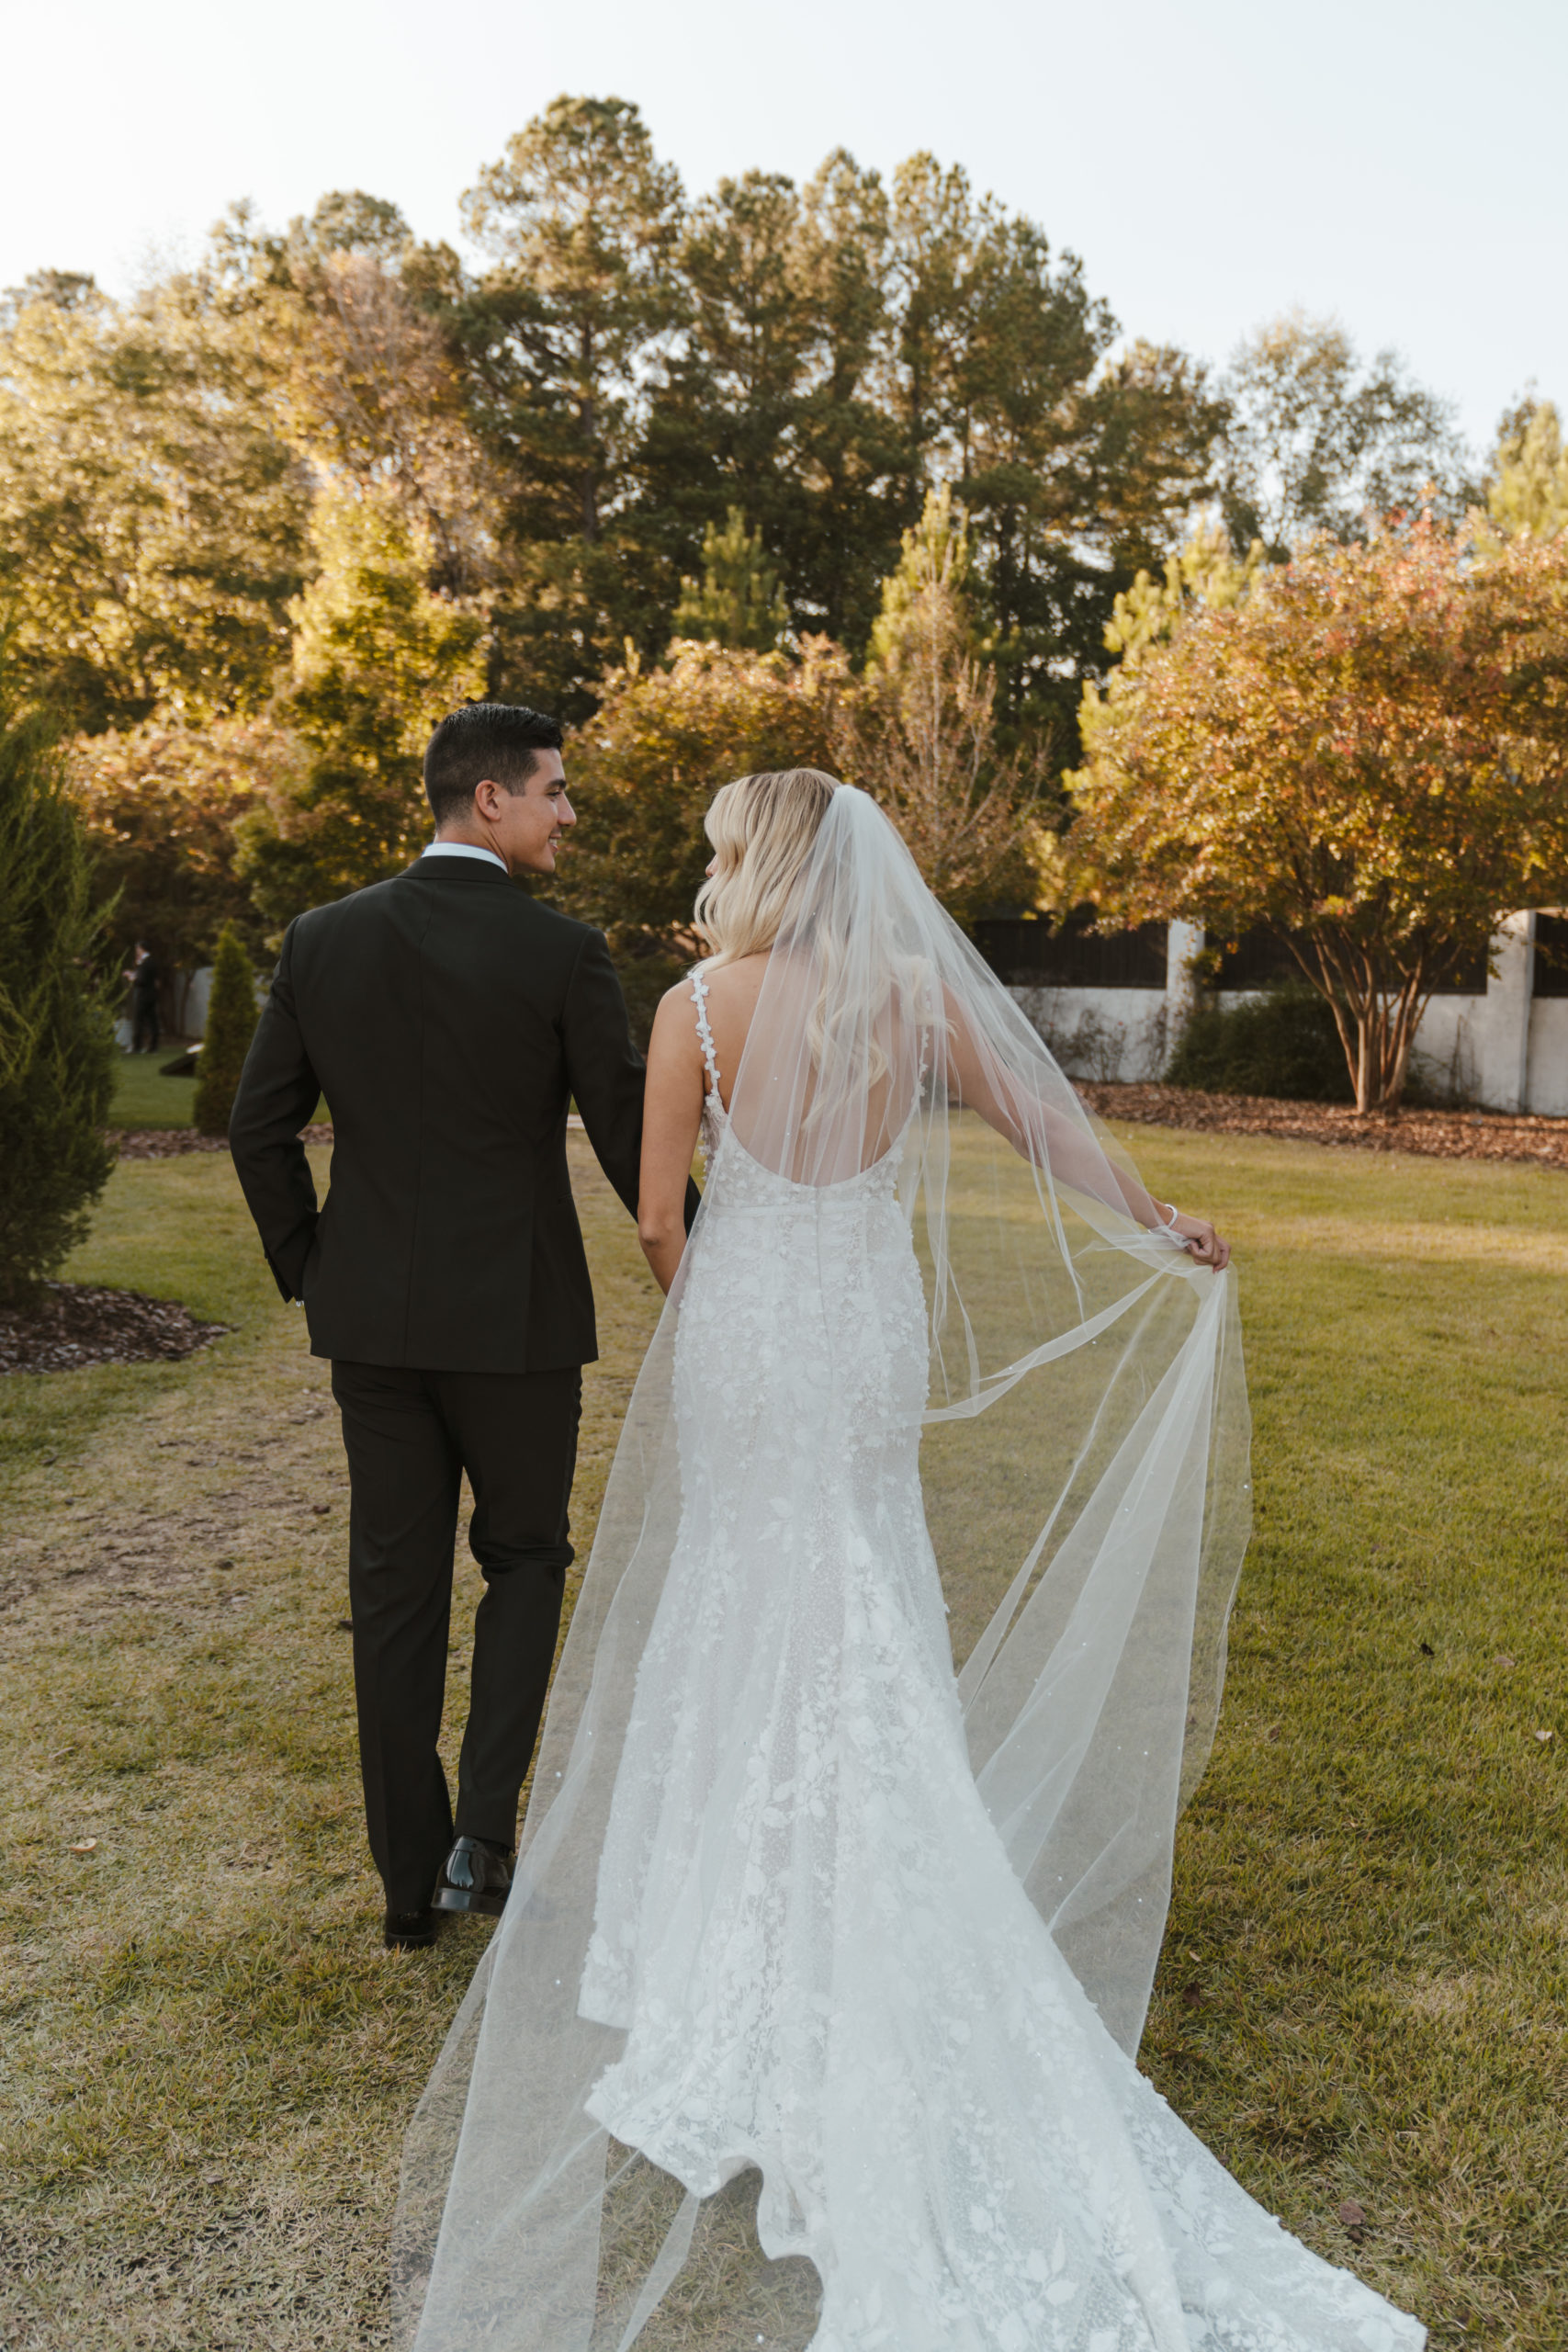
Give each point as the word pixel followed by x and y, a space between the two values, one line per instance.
pixel 1377 1022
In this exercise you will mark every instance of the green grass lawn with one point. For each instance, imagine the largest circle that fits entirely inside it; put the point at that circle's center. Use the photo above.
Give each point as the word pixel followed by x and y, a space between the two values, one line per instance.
pixel 1363 1988
pixel 143 1099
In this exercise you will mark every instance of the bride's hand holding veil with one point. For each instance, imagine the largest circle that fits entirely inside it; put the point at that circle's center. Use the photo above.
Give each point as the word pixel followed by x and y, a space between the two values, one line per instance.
pixel 1074 1157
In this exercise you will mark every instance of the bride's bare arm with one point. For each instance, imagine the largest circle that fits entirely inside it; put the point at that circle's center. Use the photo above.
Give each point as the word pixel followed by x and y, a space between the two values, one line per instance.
pixel 1075 1158
pixel 672 1113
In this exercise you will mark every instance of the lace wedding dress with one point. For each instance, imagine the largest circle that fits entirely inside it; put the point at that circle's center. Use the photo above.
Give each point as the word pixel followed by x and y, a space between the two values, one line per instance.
pixel 806 1952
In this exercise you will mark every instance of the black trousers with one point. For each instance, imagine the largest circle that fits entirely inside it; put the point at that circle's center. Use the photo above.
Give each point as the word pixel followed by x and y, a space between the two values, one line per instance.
pixel 408 1436
pixel 143 1025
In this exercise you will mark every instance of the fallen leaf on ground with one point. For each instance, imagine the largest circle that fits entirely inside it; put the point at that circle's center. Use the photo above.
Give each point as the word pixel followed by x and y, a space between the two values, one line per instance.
pixel 1353 2215
pixel 1543 1735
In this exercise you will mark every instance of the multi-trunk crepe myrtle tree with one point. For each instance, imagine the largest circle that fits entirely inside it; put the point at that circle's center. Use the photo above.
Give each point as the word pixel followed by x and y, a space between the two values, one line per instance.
pixel 1367 751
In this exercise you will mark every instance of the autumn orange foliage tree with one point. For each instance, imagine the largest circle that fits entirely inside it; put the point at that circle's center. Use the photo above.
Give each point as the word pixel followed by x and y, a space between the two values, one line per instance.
pixel 159 806
pixel 643 771
pixel 1368 752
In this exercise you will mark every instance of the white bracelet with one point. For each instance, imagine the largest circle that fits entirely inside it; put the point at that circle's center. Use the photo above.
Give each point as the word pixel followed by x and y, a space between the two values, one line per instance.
pixel 1166 1228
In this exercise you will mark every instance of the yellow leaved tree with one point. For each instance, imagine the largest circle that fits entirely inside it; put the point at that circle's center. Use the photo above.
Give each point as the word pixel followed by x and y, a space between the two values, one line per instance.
pixel 1367 751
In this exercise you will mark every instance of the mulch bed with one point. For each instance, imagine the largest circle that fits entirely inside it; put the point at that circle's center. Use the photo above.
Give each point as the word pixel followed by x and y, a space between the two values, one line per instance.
pixel 76 1323
pixel 1438 1134
pixel 172 1142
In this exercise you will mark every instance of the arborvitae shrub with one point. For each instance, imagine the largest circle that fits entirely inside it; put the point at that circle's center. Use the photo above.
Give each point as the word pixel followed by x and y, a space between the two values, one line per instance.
pixel 1282 1043
pixel 57 1048
pixel 231 1025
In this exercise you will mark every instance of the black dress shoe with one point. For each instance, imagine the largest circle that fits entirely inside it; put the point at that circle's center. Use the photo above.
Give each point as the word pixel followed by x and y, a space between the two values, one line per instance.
pixel 411 1931
pixel 476 1876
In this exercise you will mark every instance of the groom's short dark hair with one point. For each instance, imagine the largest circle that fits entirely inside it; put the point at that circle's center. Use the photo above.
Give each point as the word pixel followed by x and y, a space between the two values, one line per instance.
pixel 499 740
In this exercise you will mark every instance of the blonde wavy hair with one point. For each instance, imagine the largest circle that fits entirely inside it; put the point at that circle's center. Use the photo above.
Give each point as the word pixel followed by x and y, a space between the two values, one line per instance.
pixel 762 827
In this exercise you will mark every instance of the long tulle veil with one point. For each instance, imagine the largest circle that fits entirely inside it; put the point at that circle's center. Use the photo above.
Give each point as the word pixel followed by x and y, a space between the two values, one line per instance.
pixel 1084 1465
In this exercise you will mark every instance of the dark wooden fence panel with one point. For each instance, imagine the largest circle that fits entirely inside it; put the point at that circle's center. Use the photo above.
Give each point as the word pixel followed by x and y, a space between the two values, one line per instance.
pixel 1032 954
pixel 1551 956
pixel 1261 956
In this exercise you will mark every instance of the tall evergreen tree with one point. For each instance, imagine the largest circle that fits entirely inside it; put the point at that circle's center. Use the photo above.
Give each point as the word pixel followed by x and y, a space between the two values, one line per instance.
pixel 737 601
pixel 56 1030
pixel 848 447
pixel 723 406
pixel 936 233
pixel 582 220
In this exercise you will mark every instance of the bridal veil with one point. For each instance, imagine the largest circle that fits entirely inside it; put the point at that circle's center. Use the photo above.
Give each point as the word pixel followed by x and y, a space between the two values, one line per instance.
pixel 1083 1444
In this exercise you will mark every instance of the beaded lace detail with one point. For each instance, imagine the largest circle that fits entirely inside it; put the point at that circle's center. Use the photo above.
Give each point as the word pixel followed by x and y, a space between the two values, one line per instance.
pixel 710 1059
pixel 714 1114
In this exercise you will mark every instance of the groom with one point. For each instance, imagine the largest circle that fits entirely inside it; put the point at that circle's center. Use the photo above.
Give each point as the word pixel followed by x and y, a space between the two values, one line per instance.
pixel 449 1018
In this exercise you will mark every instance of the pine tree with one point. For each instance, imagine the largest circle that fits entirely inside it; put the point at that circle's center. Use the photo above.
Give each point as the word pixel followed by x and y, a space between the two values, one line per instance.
pixel 921 732
pixel 737 602
pixel 56 1030
pixel 230 1024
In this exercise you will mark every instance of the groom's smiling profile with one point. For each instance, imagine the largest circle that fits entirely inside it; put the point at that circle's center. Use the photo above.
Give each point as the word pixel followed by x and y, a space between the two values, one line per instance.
pixel 449 1018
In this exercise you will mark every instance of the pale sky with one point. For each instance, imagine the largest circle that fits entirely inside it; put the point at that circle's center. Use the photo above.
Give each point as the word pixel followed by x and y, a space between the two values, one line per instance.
pixel 1398 163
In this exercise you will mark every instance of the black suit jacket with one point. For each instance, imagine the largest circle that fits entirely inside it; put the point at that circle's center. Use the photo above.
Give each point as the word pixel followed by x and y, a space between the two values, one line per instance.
pixel 447 1017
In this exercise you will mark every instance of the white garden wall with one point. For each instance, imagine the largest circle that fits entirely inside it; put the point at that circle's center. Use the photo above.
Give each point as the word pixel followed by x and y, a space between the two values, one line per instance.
pixel 1507 1049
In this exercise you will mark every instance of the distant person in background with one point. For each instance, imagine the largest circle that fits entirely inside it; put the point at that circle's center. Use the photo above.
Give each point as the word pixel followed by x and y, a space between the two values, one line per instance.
pixel 142 978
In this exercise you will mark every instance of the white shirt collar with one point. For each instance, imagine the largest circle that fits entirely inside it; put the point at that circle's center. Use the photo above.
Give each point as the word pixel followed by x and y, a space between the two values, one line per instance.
pixel 461 849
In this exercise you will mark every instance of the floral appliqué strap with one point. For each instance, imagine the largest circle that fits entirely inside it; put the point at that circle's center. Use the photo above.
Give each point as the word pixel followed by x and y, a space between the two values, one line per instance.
pixel 710 1059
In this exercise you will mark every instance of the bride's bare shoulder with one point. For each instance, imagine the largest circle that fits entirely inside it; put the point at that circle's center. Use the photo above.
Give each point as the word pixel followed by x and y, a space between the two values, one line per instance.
pixel 734 984
pixel 730 993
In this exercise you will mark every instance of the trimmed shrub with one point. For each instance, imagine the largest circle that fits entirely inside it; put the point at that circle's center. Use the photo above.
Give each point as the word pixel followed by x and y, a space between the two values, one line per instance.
pixel 57 1048
pixel 1282 1043
pixel 231 1025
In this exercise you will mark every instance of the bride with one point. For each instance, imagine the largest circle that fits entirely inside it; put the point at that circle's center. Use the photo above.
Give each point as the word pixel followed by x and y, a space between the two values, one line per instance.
pixel 812 2016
